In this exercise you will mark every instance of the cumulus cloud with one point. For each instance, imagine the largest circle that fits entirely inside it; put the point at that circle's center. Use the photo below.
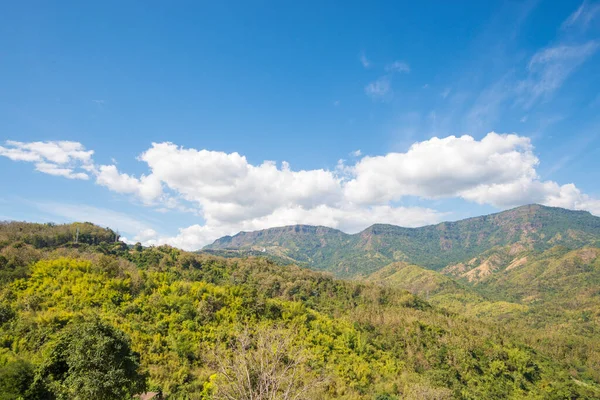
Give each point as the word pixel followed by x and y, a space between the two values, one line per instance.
pixel 147 188
pixel 228 188
pixel 442 168
pixel 231 194
pixel 59 158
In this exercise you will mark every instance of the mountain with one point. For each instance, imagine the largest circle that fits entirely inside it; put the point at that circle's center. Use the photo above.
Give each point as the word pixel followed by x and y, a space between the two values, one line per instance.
pixel 196 326
pixel 528 228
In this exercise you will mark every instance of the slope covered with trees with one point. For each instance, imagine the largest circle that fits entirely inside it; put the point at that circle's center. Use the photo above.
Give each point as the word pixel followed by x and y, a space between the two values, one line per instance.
pixel 533 227
pixel 533 269
pixel 560 292
pixel 196 326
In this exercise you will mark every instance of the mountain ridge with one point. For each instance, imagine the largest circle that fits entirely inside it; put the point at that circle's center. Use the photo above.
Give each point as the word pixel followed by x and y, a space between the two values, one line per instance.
pixel 382 224
pixel 533 226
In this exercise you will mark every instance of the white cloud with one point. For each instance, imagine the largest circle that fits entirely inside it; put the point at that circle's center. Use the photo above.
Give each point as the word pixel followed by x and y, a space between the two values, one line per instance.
pixel 226 187
pixel 356 153
pixel 147 188
pixel 533 191
pixel 145 236
pixel 499 170
pixel 59 152
pixel 550 67
pixel 230 194
pixel 380 89
pixel 58 158
pixel 441 168
pixel 398 66
pixel 53 169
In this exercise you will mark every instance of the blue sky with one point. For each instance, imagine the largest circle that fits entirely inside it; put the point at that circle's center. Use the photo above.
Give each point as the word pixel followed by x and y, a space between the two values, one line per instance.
pixel 179 123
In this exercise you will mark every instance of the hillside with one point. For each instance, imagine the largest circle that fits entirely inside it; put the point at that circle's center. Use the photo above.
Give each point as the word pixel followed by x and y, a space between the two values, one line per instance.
pixel 549 299
pixel 194 326
pixel 533 269
pixel 415 279
pixel 531 227
pixel 561 290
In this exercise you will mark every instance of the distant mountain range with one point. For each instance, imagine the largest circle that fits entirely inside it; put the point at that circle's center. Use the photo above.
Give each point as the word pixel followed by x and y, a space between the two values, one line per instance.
pixel 534 270
pixel 471 248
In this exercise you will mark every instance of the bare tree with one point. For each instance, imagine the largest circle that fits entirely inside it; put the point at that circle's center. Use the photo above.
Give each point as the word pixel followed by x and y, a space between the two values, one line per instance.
pixel 264 365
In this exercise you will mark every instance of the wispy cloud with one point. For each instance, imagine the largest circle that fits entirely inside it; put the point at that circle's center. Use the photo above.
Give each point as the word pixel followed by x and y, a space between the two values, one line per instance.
pixel 398 66
pixel 364 60
pixel 549 68
pixel 583 16
pixel 381 89
pixel 534 82
pixel 488 105
pixel 356 153
pixel 446 92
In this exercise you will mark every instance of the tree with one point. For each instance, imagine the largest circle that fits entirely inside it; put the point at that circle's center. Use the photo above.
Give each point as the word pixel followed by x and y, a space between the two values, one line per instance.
pixel 262 366
pixel 15 379
pixel 92 360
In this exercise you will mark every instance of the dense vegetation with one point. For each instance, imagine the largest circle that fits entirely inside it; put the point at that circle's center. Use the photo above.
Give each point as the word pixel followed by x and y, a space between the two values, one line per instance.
pixel 535 270
pixel 434 247
pixel 560 292
pixel 551 300
pixel 98 319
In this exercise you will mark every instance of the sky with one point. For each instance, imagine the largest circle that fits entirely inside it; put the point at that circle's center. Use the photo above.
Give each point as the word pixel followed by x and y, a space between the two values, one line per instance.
pixel 181 122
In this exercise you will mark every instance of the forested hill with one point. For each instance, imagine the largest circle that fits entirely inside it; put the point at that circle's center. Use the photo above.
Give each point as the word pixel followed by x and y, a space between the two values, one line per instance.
pixel 101 320
pixel 531 227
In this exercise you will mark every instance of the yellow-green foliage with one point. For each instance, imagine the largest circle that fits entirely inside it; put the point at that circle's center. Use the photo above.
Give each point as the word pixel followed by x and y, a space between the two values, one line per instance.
pixel 362 340
pixel 181 311
pixel 559 292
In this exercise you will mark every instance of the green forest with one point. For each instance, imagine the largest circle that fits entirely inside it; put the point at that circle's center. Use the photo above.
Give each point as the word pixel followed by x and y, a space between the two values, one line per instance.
pixel 94 318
